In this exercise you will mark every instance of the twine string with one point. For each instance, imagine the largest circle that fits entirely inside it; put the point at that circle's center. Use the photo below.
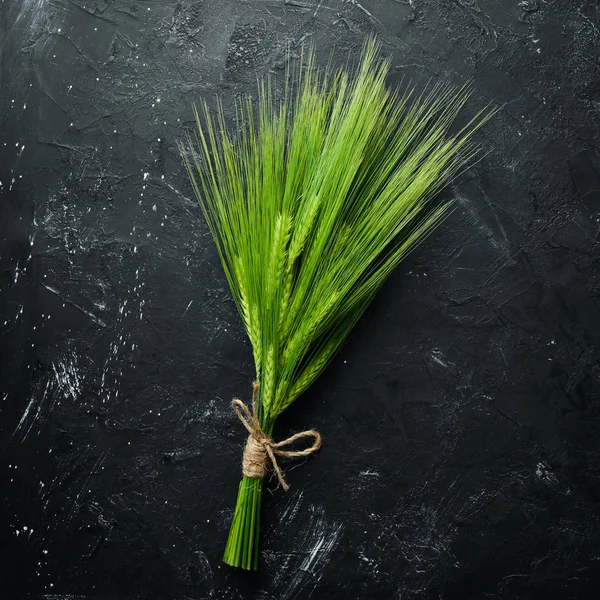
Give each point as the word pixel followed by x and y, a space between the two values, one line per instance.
pixel 261 449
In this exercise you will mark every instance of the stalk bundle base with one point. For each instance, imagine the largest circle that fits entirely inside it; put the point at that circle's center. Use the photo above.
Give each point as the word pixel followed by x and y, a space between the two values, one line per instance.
pixel 242 543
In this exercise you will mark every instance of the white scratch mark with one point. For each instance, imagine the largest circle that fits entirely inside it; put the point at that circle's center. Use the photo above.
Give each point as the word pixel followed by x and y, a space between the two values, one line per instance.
pixel 65 382
pixel 369 473
pixel 82 310
pixel 543 471
pixel 291 508
pixel 30 418
pixel 31 403
pixel 94 471
pixel 64 597
pixel 438 357
pixel 315 545
pixel 67 377
pixel 320 552
pixel 187 308
pixel 361 7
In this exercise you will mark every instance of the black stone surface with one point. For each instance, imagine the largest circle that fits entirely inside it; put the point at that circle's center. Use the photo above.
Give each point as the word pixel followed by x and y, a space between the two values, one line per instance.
pixel 461 420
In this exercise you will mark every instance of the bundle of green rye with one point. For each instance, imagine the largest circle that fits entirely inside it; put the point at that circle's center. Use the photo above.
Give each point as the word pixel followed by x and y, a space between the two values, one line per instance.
pixel 312 203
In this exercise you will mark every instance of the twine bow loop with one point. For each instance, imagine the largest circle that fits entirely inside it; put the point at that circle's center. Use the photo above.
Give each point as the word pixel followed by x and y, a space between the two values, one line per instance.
pixel 261 449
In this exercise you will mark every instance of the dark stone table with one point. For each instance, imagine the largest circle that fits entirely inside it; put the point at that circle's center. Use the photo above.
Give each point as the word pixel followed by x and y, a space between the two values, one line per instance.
pixel 461 420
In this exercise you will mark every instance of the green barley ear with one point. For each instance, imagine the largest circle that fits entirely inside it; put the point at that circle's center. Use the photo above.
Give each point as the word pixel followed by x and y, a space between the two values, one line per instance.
pixel 312 203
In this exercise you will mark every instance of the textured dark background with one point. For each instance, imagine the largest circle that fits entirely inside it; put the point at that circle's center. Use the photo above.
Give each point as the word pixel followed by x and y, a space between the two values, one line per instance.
pixel 461 420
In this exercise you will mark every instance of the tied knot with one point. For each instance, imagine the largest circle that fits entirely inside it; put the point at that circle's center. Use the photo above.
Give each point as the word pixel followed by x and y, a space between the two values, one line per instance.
pixel 261 450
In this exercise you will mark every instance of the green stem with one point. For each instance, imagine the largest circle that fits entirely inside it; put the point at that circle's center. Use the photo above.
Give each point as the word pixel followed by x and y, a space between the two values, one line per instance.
pixel 242 543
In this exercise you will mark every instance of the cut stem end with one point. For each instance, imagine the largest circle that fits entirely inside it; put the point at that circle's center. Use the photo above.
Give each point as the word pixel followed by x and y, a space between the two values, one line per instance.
pixel 242 544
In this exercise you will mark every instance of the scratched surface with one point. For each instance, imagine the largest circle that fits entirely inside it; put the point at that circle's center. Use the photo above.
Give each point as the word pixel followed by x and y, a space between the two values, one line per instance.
pixel 461 421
